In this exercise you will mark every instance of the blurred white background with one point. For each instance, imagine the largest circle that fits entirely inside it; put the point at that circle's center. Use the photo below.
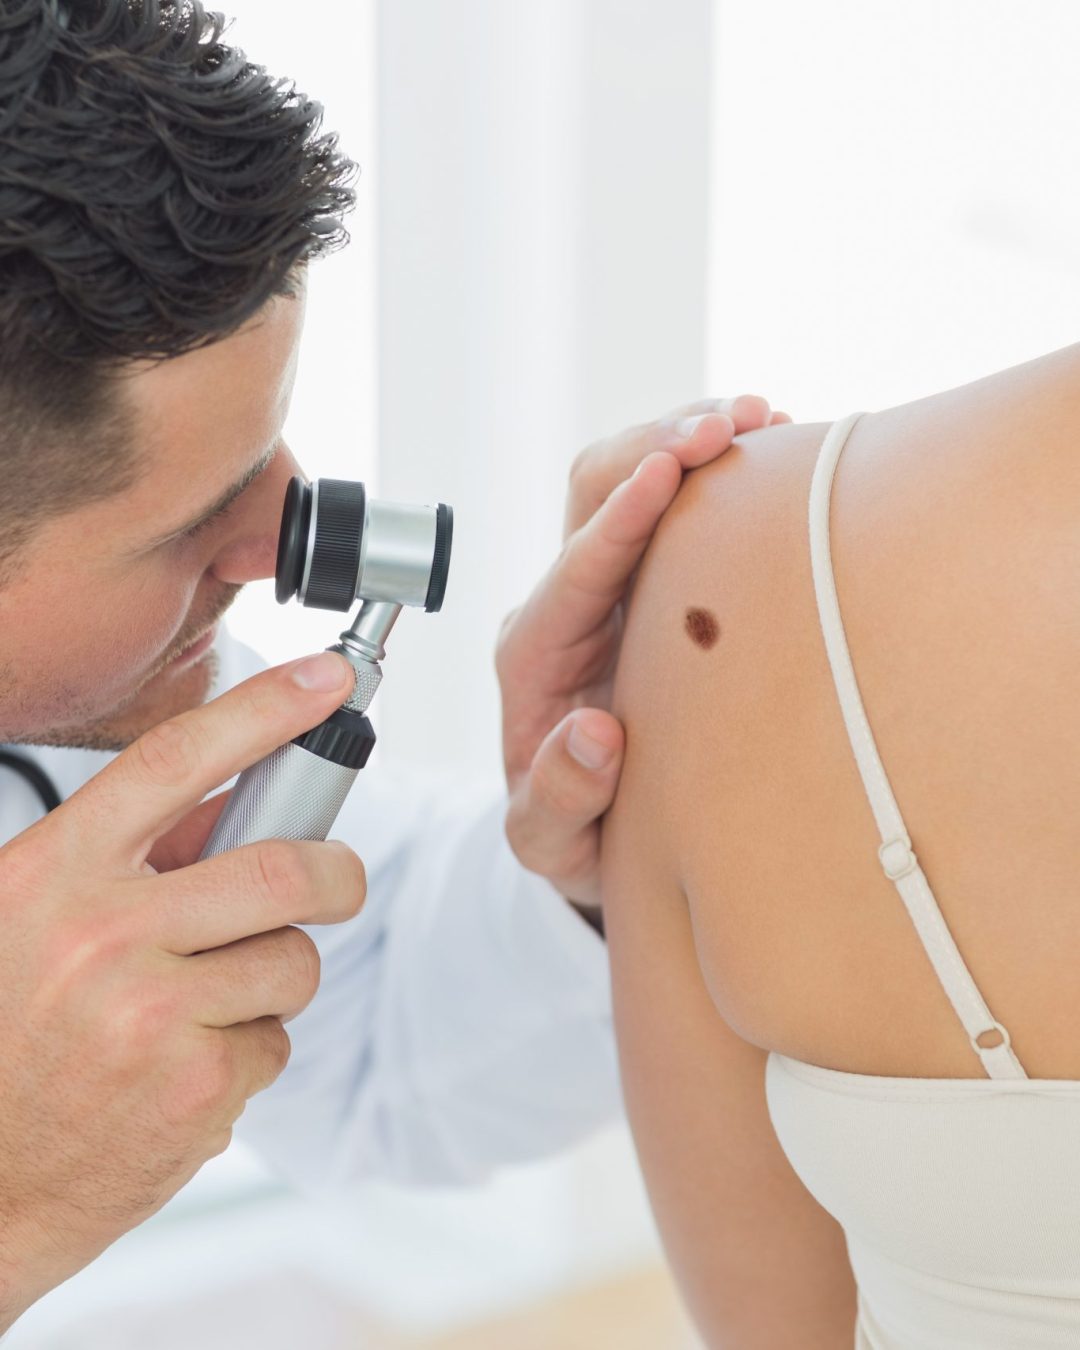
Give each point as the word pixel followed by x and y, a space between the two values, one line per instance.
pixel 895 207
pixel 573 216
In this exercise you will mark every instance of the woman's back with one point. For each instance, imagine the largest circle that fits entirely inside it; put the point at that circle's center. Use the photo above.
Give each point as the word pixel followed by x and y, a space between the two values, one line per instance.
pixel 955 544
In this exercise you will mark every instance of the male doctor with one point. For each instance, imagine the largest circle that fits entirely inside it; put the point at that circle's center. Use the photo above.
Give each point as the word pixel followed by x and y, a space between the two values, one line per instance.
pixel 160 198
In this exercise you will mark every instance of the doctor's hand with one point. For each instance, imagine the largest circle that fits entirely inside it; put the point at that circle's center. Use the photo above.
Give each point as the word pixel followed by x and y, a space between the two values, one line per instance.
pixel 562 748
pixel 142 998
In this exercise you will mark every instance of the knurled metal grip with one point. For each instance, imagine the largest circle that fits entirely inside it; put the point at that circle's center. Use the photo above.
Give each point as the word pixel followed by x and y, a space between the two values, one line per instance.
pixel 368 679
pixel 291 794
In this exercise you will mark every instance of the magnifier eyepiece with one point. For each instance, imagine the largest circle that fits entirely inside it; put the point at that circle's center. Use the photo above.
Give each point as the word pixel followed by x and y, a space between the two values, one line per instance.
pixel 292 541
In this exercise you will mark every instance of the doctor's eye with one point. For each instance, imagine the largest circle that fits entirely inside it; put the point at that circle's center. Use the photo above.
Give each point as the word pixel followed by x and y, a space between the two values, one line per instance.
pixel 204 524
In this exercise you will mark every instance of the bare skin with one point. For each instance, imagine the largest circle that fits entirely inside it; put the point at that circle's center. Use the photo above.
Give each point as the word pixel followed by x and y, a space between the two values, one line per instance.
pixel 745 915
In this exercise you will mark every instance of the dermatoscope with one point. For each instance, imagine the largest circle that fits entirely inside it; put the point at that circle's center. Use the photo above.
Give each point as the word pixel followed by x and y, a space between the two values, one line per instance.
pixel 337 545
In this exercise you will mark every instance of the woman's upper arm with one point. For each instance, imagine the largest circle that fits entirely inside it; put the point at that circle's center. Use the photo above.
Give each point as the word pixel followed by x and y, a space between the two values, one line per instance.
pixel 759 1261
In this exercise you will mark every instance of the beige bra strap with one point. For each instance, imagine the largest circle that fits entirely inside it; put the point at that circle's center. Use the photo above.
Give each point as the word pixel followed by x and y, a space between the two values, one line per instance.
pixel 898 861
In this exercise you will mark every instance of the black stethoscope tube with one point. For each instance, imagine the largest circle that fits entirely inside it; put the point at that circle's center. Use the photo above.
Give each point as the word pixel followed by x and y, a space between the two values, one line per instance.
pixel 38 779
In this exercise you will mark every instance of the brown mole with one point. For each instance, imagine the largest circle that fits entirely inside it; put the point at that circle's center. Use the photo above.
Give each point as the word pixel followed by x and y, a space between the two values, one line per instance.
pixel 702 627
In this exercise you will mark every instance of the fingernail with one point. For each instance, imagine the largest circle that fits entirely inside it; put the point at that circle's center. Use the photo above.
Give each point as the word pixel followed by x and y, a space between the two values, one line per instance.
pixel 324 672
pixel 592 754
pixel 686 426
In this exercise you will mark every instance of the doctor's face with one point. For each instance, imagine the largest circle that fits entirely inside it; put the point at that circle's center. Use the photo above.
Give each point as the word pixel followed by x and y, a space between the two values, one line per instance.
pixel 94 627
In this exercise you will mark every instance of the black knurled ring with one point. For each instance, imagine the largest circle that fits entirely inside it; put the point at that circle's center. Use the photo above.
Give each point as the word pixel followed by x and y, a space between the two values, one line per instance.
pixel 339 539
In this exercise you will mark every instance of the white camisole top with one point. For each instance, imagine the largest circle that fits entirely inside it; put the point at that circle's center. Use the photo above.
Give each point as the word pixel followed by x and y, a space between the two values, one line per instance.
pixel 959 1198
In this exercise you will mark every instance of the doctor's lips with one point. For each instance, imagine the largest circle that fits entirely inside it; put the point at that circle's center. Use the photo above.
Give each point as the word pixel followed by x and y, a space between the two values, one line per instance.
pixel 195 650
pixel 210 632
pixel 702 628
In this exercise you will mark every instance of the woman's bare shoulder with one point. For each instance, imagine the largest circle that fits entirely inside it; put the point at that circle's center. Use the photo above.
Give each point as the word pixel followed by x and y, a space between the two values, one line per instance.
pixel 994 464
pixel 955 525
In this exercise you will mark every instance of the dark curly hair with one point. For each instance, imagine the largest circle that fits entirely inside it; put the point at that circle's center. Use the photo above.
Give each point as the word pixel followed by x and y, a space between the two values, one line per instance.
pixel 156 190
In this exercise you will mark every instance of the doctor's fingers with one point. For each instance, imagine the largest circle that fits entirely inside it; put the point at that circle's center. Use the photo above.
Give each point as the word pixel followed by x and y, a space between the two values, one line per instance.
pixel 552 823
pixel 241 1060
pixel 181 846
pixel 694 433
pixel 590 576
pixel 159 778
pixel 269 975
pixel 254 889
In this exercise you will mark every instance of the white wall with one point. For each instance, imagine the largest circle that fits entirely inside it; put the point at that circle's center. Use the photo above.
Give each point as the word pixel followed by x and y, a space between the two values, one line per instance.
pixel 542 241
pixel 896 204
pixel 332 422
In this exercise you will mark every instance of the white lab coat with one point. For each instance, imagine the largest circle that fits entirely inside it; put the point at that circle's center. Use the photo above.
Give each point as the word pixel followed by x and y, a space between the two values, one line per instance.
pixel 464 1017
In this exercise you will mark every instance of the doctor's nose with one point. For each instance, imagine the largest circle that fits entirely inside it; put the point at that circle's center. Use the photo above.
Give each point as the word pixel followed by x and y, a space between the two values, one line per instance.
pixel 249 552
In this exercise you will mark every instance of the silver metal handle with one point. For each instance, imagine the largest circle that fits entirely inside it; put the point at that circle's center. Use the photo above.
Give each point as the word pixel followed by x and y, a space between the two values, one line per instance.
pixel 291 794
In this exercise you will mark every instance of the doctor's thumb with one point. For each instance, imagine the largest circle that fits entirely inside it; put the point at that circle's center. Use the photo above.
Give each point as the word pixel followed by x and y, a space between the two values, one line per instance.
pixel 576 770
pixel 551 821
pixel 591 743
